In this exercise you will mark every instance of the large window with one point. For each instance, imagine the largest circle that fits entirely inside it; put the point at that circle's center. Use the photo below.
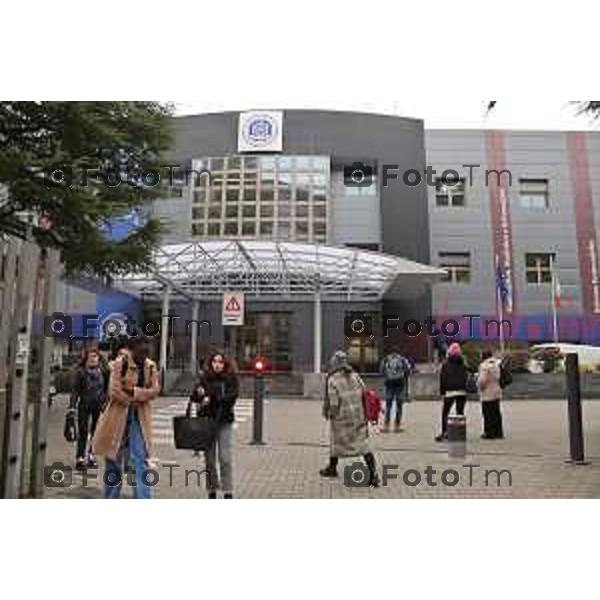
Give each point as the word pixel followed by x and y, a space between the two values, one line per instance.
pixel 277 197
pixel 449 195
pixel 458 265
pixel 533 194
pixel 538 268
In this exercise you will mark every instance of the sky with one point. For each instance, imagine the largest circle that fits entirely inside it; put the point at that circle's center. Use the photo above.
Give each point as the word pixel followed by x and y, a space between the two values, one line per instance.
pixel 437 113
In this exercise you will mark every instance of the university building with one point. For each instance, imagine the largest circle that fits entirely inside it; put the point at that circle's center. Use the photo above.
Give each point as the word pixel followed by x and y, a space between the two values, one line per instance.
pixel 314 217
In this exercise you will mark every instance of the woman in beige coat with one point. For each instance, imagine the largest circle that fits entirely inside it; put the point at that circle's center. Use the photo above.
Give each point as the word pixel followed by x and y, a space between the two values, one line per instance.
pixel 490 394
pixel 343 408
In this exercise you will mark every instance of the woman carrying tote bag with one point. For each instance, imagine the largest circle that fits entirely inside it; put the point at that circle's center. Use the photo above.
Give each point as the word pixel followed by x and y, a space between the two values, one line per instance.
pixel 216 392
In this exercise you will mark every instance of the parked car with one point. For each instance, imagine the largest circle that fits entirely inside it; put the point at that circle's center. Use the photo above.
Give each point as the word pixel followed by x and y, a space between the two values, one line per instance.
pixel 546 358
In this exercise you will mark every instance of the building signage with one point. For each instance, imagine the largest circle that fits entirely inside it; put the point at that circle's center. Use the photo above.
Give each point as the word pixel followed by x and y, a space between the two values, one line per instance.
pixel 233 308
pixel 260 131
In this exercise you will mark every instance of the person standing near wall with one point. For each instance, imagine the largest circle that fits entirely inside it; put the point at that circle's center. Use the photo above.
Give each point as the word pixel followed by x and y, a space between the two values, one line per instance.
pixel 490 394
pixel 453 386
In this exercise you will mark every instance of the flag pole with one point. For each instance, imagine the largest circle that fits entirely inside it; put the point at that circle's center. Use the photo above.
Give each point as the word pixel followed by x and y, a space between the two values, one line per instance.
pixel 553 300
pixel 500 307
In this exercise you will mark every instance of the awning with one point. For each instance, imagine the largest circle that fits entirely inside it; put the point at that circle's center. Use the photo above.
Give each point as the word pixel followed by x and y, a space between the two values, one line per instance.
pixel 270 269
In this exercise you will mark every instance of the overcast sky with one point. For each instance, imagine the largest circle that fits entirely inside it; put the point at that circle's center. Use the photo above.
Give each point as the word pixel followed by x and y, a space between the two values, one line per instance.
pixel 437 113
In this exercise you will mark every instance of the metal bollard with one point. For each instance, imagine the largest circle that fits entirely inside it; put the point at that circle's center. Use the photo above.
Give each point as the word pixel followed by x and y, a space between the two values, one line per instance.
pixel 259 401
pixel 457 436
pixel 574 405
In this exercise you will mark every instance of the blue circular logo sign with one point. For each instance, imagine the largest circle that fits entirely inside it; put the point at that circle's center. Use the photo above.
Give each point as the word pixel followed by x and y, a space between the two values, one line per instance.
pixel 260 130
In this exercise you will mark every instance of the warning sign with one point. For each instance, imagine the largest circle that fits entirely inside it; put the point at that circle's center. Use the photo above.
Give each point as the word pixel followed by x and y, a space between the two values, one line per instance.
pixel 233 308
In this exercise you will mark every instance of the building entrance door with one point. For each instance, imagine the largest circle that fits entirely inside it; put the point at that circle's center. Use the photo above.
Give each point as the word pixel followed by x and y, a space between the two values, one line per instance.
pixel 264 334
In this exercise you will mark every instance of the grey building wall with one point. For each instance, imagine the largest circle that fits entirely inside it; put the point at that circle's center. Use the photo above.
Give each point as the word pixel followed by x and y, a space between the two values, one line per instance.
pixel 355 219
pixel 529 155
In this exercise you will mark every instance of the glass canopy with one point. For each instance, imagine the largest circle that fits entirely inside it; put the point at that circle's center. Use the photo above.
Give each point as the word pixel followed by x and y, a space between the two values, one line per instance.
pixel 203 270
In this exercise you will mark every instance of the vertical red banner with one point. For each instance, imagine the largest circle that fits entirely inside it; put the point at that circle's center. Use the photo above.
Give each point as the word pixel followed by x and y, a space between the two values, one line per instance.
pixel 587 248
pixel 498 182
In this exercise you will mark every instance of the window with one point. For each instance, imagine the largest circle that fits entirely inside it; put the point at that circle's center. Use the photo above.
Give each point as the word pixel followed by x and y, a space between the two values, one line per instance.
pixel 198 213
pixel 284 210
pixel 449 195
pixel 320 211
pixel 533 194
pixel 302 211
pixel 214 229
pixel 301 195
pixel 249 211
pixel 231 228
pixel 231 211
pixel 214 212
pixel 302 228
pixel 266 210
pixel 199 196
pixel 538 268
pixel 232 194
pixel 216 194
pixel 250 194
pixel 248 228
pixel 266 194
pixel 250 163
pixel 197 228
pixel 458 265
pixel 266 228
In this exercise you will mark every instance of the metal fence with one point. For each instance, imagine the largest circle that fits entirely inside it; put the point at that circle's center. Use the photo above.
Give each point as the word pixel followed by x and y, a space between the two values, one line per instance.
pixel 28 276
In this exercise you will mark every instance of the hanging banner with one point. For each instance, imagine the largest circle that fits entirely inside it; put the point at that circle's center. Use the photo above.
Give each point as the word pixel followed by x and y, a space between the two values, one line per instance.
pixel 233 308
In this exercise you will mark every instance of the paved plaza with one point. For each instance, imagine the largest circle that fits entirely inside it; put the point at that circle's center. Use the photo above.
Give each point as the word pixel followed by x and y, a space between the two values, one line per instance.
pixel 287 466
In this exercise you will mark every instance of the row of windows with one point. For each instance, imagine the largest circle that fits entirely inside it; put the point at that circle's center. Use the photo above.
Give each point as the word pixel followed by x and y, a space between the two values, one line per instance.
pixel 533 194
pixel 299 230
pixel 266 194
pixel 231 211
pixel 264 163
pixel 538 267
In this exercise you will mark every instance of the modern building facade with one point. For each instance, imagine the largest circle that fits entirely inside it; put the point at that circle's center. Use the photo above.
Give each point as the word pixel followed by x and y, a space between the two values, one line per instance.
pixel 522 203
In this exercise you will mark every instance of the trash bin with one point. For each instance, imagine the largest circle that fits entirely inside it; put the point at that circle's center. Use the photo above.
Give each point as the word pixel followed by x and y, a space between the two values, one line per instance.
pixel 457 436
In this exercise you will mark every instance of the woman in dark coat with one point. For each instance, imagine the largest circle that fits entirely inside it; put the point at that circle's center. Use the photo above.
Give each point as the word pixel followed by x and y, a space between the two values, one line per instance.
pixel 216 392
pixel 453 386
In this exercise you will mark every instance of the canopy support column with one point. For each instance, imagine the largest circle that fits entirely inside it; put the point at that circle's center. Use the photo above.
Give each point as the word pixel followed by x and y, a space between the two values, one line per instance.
pixel 164 334
pixel 194 349
pixel 317 334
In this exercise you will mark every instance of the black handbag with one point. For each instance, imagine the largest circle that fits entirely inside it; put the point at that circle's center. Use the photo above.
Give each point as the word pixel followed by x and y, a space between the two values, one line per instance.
pixel 70 427
pixel 194 432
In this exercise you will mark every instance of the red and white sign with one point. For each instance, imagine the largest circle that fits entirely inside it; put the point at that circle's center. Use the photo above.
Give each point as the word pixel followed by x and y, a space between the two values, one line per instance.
pixel 233 308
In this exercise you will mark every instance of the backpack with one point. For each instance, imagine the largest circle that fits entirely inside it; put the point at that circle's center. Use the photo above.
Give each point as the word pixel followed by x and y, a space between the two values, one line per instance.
pixel 372 406
pixel 506 377
pixel 395 368
pixel 70 427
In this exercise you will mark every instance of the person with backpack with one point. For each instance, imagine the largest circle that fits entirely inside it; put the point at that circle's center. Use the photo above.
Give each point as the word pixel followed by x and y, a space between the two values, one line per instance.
pixel 395 370
pixel 87 400
pixel 124 431
pixel 344 409
pixel 490 394
pixel 216 392
pixel 453 386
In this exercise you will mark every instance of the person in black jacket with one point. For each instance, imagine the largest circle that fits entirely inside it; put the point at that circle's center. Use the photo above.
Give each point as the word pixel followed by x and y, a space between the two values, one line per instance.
pixel 216 392
pixel 453 386
pixel 88 398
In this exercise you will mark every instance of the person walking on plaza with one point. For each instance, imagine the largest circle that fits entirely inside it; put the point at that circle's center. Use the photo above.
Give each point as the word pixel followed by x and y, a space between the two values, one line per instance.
pixel 124 431
pixel 88 398
pixel 453 386
pixel 216 392
pixel 395 370
pixel 490 394
pixel 343 408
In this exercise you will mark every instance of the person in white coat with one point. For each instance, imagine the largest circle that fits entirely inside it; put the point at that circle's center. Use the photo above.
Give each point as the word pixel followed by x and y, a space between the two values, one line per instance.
pixel 490 394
